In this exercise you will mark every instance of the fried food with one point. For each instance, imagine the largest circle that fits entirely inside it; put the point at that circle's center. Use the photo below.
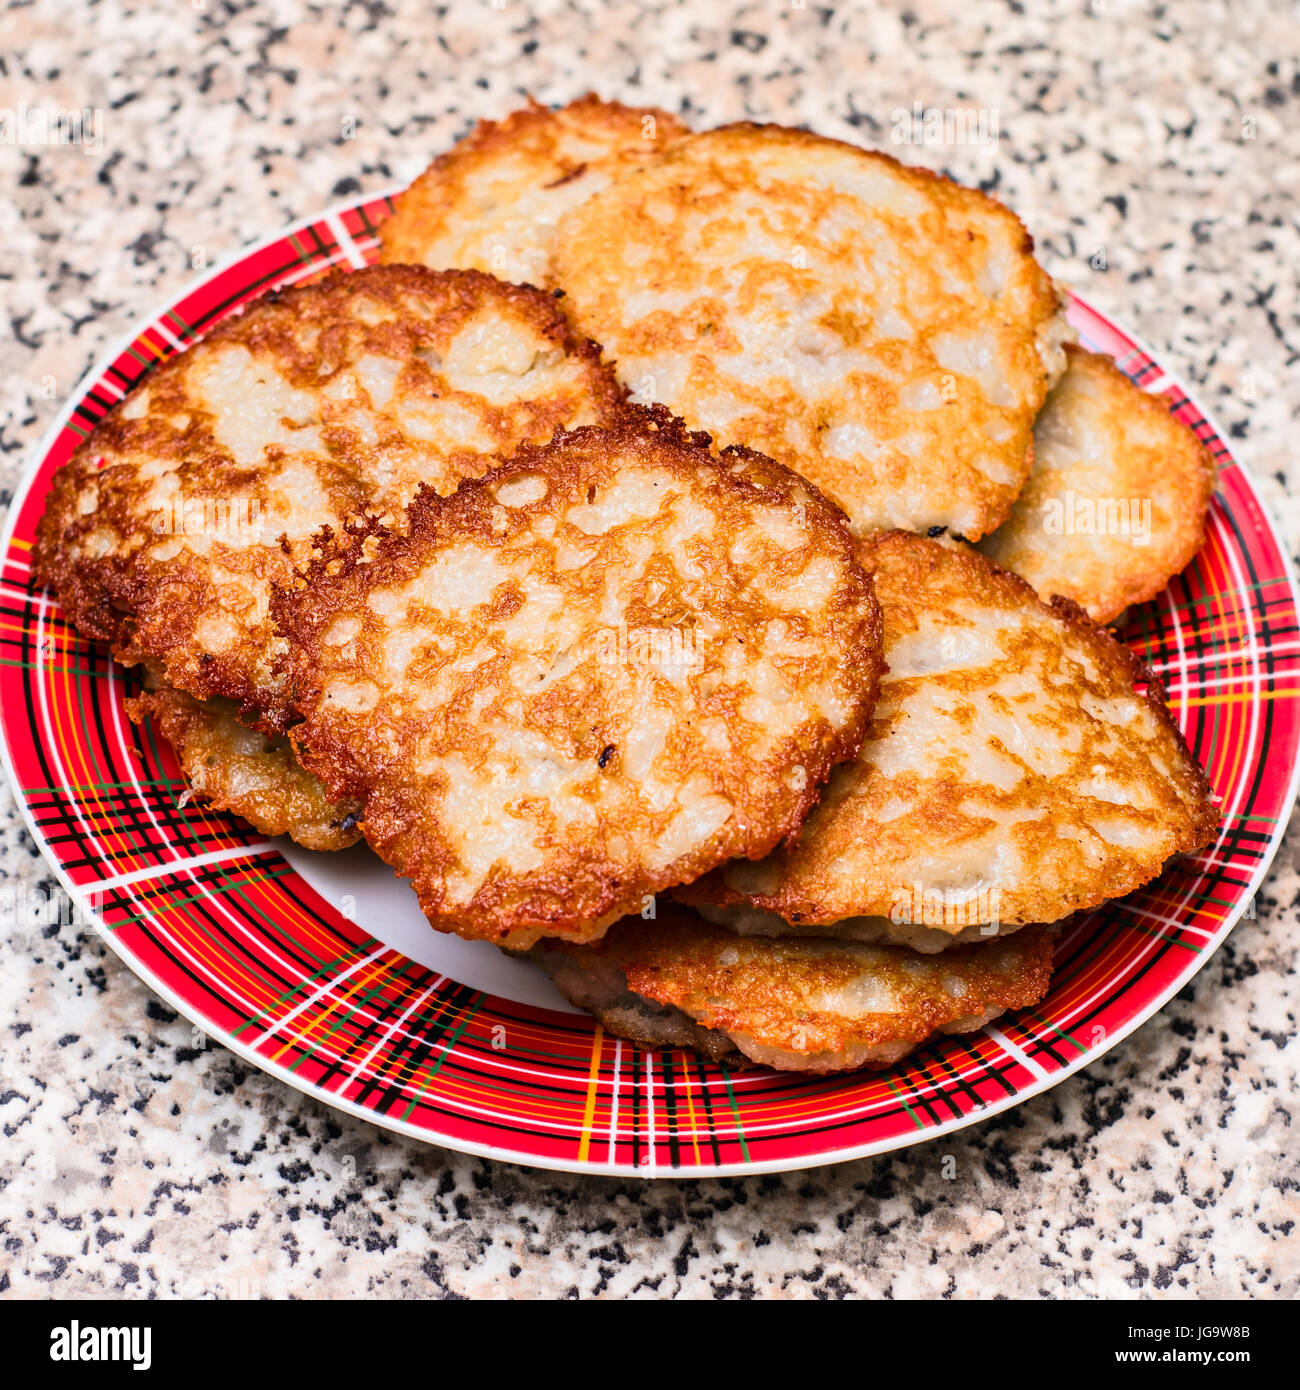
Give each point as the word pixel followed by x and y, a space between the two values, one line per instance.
pixel 614 663
pixel 1012 774
pixel 492 201
pixel 1117 502
pixel 882 330
pixel 233 768
pixel 912 926
pixel 167 530
pixel 796 1005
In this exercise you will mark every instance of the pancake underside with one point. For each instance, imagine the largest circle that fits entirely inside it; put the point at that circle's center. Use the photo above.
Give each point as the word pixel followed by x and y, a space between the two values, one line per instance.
pixel 233 768
pixel 803 1005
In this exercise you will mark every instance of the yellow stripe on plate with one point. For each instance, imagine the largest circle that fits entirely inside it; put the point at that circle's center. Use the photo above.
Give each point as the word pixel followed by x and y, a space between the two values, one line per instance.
pixel 589 1111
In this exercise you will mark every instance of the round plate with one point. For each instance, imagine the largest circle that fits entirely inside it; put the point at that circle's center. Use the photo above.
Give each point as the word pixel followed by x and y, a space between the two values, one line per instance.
pixel 318 969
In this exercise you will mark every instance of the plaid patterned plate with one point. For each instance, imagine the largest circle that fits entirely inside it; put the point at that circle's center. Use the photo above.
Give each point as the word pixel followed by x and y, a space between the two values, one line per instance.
pixel 236 932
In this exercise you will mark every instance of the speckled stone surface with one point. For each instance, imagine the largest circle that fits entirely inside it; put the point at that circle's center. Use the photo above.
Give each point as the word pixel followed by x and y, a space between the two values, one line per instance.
pixel 135 1161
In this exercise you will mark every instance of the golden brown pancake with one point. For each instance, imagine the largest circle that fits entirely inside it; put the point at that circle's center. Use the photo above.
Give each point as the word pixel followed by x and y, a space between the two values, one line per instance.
pixel 1013 773
pixel 167 530
pixel 608 666
pixel 796 1005
pixel 491 202
pixel 882 330
pixel 231 767
pixel 1117 502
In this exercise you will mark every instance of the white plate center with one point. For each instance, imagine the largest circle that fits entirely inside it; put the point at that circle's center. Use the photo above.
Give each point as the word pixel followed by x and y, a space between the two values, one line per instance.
pixel 365 890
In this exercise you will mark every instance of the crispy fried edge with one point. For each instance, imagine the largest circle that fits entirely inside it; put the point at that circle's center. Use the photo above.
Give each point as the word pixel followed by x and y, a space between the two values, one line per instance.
pixel 100 597
pixel 1134 583
pixel 326 580
pixel 187 723
pixel 423 209
pixel 930 179
pixel 1121 661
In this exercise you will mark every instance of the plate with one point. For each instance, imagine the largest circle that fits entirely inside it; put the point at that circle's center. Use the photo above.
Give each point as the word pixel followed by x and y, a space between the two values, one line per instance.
pixel 320 970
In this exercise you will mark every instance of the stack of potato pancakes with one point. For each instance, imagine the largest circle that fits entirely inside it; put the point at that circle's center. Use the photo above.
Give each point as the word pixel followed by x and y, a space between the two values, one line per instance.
pixel 657 559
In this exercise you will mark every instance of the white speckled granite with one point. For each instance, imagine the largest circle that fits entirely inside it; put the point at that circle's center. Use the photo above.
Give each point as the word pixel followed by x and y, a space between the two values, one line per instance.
pixel 134 1163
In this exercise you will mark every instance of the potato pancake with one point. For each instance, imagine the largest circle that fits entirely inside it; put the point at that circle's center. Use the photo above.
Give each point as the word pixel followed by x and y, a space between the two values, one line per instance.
pixel 1020 766
pixel 814 1006
pixel 1117 502
pixel 167 530
pixel 492 201
pixel 612 664
pixel 231 767
pixel 878 328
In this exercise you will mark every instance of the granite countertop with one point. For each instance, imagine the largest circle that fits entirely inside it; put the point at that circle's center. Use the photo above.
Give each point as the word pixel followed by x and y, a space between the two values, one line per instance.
pixel 137 1161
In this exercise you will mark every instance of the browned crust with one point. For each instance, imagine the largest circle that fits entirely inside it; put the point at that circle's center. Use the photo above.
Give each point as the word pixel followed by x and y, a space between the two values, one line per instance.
pixel 1180 469
pixel 596 983
pixel 587 245
pixel 582 897
pixel 946 187
pixel 438 201
pixel 806 875
pixel 770 995
pixel 233 769
pixel 147 610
